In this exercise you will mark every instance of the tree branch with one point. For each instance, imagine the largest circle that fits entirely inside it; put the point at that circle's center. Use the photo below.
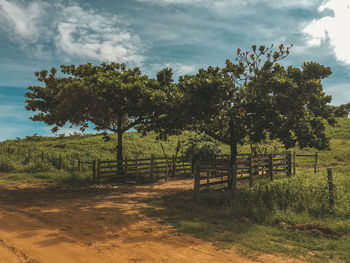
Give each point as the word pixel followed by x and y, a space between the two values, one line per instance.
pixel 216 137
pixel 132 124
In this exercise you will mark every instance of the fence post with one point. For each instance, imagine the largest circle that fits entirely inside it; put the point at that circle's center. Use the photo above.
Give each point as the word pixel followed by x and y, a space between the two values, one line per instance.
pixel 93 169
pixel 197 177
pixel 79 164
pixel 152 166
pixel 42 156
pixel 167 168
pixel 137 170
pixel 191 166
pixel 330 187
pixel 315 168
pixel 126 167
pixel 183 163
pixel 250 170
pixel 28 155
pixel 174 166
pixel 213 166
pixel 271 166
pixel 98 170
pixel 208 174
pixel 234 177
pixel 294 162
pixel 289 163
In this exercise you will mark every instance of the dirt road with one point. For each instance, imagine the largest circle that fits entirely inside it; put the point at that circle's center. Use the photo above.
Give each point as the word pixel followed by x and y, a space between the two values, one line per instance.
pixel 51 224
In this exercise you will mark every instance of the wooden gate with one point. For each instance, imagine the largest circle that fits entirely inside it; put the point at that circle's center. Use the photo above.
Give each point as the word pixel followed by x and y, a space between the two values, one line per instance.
pixel 218 172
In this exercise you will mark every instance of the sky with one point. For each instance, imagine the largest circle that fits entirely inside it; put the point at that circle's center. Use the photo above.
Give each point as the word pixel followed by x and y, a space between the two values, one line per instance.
pixel 185 35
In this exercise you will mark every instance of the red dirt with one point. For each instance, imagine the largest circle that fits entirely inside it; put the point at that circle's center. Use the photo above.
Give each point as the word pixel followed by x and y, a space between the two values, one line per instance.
pixel 98 224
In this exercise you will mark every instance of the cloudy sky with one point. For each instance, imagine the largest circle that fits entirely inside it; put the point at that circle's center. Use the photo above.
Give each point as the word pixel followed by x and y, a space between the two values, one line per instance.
pixel 182 34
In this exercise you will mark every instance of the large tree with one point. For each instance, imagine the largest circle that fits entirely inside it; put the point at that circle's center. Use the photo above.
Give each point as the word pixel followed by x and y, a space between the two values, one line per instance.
pixel 111 96
pixel 255 98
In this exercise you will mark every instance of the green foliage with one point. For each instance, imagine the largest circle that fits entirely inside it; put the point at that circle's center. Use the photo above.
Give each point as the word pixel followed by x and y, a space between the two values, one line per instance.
pixel 201 147
pixel 110 96
pixel 342 110
pixel 255 99
pixel 6 164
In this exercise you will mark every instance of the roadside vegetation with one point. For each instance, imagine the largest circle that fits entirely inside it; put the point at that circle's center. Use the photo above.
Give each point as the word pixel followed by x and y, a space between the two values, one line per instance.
pixel 289 215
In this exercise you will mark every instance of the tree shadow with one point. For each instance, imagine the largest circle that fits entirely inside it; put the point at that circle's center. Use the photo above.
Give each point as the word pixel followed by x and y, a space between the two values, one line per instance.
pixel 99 213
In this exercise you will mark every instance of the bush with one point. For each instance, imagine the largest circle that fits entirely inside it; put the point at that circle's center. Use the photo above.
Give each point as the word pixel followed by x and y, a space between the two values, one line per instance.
pixel 201 147
pixel 6 165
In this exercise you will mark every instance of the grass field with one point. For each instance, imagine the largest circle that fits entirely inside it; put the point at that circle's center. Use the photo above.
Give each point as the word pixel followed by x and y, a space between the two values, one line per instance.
pixel 269 217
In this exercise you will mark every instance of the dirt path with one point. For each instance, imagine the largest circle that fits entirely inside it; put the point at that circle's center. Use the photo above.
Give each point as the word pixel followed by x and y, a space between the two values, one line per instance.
pixel 46 224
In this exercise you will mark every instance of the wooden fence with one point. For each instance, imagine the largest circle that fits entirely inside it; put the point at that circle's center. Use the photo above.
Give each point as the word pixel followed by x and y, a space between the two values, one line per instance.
pixel 142 169
pixel 315 156
pixel 247 167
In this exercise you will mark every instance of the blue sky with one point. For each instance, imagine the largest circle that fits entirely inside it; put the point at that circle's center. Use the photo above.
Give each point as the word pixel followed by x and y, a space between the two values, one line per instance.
pixel 182 34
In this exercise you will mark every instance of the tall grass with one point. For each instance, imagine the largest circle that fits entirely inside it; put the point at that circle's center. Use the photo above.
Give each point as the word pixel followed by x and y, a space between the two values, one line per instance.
pixel 253 217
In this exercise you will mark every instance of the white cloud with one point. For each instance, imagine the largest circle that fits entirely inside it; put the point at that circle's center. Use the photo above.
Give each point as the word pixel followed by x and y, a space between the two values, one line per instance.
pixel 86 33
pixel 181 69
pixel 236 3
pixel 24 19
pixel 177 67
pixel 332 28
pixel 74 31
pixel 46 131
pixel 340 92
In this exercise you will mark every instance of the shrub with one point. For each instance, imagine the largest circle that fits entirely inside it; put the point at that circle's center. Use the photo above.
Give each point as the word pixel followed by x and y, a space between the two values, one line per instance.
pixel 201 147
pixel 6 165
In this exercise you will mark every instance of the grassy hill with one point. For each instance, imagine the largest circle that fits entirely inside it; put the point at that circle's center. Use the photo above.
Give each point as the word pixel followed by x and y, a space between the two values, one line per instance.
pixel 37 157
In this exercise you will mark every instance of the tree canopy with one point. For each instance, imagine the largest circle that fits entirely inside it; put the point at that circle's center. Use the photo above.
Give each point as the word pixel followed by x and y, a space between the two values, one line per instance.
pixel 254 98
pixel 342 110
pixel 111 96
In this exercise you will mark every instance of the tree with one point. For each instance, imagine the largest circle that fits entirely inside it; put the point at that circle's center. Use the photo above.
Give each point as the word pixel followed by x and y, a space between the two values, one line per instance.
pixel 256 98
pixel 342 110
pixel 111 96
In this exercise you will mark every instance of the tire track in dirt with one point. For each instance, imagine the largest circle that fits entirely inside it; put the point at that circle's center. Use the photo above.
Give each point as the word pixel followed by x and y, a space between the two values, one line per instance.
pixel 19 255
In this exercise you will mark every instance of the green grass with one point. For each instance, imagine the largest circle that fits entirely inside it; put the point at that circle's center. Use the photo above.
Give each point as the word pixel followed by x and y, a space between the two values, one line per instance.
pixel 54 177
pixel 14 154
pixel 248 218
pixel 251 217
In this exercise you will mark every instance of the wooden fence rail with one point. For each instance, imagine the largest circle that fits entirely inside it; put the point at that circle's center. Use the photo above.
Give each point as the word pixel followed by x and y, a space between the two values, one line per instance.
pixel 138 169
pixel 218 171
pixel 305 155
pixel 246 167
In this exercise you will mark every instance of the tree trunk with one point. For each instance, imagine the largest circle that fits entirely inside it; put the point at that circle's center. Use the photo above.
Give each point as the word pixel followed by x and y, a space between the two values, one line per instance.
pixel 233 157
pixel 120 151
